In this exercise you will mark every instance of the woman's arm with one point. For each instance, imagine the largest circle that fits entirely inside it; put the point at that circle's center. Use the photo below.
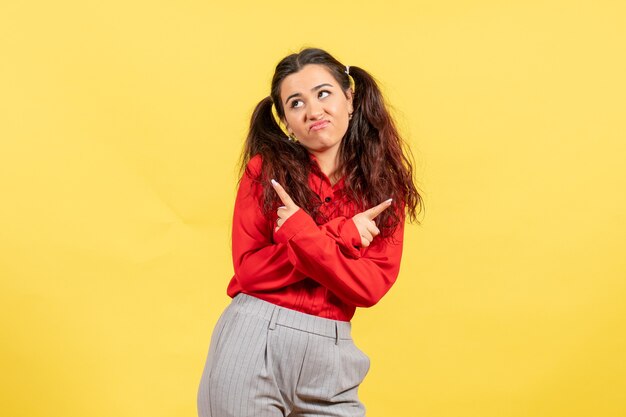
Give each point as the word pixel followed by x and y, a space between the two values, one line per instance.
pixel 260 264
pixel 359 281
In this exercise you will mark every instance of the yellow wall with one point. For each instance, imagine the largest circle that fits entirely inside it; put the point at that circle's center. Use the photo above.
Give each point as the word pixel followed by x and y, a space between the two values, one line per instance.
pixel 120 127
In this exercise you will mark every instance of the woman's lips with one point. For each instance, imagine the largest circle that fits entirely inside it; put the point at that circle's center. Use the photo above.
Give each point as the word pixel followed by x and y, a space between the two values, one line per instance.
pixel 319 125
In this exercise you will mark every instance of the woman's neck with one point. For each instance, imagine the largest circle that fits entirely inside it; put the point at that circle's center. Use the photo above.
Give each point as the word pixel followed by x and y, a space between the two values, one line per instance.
pixel 328 164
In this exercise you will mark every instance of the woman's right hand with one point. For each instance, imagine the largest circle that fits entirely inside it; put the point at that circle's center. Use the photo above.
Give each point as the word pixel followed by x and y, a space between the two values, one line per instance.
pixel 289 208
pixel 365 222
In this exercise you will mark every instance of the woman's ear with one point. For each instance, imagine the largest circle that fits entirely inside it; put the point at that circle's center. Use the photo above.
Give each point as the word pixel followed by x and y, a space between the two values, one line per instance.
pixel 287 128
pixel 350 97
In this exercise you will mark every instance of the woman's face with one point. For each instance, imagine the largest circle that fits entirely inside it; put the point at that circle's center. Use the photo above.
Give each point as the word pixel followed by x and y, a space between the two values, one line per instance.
pixel 317 110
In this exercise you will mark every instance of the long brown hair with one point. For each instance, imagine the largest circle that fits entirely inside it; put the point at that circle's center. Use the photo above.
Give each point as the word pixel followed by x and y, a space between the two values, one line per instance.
pixel 373 159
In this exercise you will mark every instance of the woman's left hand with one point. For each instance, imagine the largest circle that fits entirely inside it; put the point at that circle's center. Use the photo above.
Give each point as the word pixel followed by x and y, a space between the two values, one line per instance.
pixel 289 208
pixel 365 224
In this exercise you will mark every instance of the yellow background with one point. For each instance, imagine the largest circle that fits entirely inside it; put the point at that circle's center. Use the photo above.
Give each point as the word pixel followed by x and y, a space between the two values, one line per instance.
pixel 121 124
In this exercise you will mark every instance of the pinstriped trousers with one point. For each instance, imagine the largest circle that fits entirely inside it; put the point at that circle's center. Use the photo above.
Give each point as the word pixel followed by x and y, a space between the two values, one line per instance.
pixel 269 361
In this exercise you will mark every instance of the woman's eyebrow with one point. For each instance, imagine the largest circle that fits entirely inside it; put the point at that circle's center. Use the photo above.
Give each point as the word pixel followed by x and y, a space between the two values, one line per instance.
pixel 320 86
pixel 317 87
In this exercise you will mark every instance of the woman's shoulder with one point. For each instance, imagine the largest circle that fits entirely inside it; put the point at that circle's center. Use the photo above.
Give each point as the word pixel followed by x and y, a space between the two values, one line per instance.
pixel 254 166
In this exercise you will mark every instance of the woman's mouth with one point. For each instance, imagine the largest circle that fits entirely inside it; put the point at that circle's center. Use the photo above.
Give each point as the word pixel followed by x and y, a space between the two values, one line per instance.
pixel 319 125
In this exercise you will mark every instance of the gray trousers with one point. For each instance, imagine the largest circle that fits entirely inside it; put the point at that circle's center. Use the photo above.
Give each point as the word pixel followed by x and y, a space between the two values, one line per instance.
pixel 269 361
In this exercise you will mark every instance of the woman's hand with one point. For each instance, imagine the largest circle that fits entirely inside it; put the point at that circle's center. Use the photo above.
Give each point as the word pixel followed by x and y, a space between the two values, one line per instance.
pixel 365 222
pixel 289 208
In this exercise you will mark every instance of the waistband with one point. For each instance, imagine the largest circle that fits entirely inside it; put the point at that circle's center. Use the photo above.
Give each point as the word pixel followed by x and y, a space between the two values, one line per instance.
pixel 276 315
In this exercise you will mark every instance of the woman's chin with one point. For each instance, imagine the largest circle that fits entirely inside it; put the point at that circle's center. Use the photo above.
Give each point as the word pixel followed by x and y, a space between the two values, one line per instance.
pixel 321 146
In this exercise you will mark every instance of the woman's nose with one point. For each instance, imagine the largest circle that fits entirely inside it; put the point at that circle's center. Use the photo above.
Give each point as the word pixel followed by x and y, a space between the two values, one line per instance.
pixel 314 111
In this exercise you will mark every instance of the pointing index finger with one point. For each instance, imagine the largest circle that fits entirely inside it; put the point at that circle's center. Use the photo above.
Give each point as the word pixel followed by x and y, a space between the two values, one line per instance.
pixel 376 210
pixel 282 194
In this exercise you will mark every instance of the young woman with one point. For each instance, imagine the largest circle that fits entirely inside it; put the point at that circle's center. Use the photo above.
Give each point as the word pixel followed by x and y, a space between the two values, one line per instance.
pixel 317 231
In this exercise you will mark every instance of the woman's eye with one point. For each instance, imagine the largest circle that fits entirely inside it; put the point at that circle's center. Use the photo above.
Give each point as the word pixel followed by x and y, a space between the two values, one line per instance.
pixel 323 94
pixel 295 103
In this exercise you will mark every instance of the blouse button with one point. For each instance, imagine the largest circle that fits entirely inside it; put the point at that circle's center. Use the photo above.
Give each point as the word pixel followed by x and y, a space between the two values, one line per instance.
pixel 328 199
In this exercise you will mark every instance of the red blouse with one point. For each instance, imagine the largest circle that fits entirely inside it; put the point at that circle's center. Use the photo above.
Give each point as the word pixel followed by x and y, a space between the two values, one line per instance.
pixel 316 269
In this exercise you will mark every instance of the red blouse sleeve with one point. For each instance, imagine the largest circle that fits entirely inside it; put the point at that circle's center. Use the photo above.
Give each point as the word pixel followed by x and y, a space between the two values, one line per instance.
pixel 361 281
pixel 260 264
pixel 344 232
